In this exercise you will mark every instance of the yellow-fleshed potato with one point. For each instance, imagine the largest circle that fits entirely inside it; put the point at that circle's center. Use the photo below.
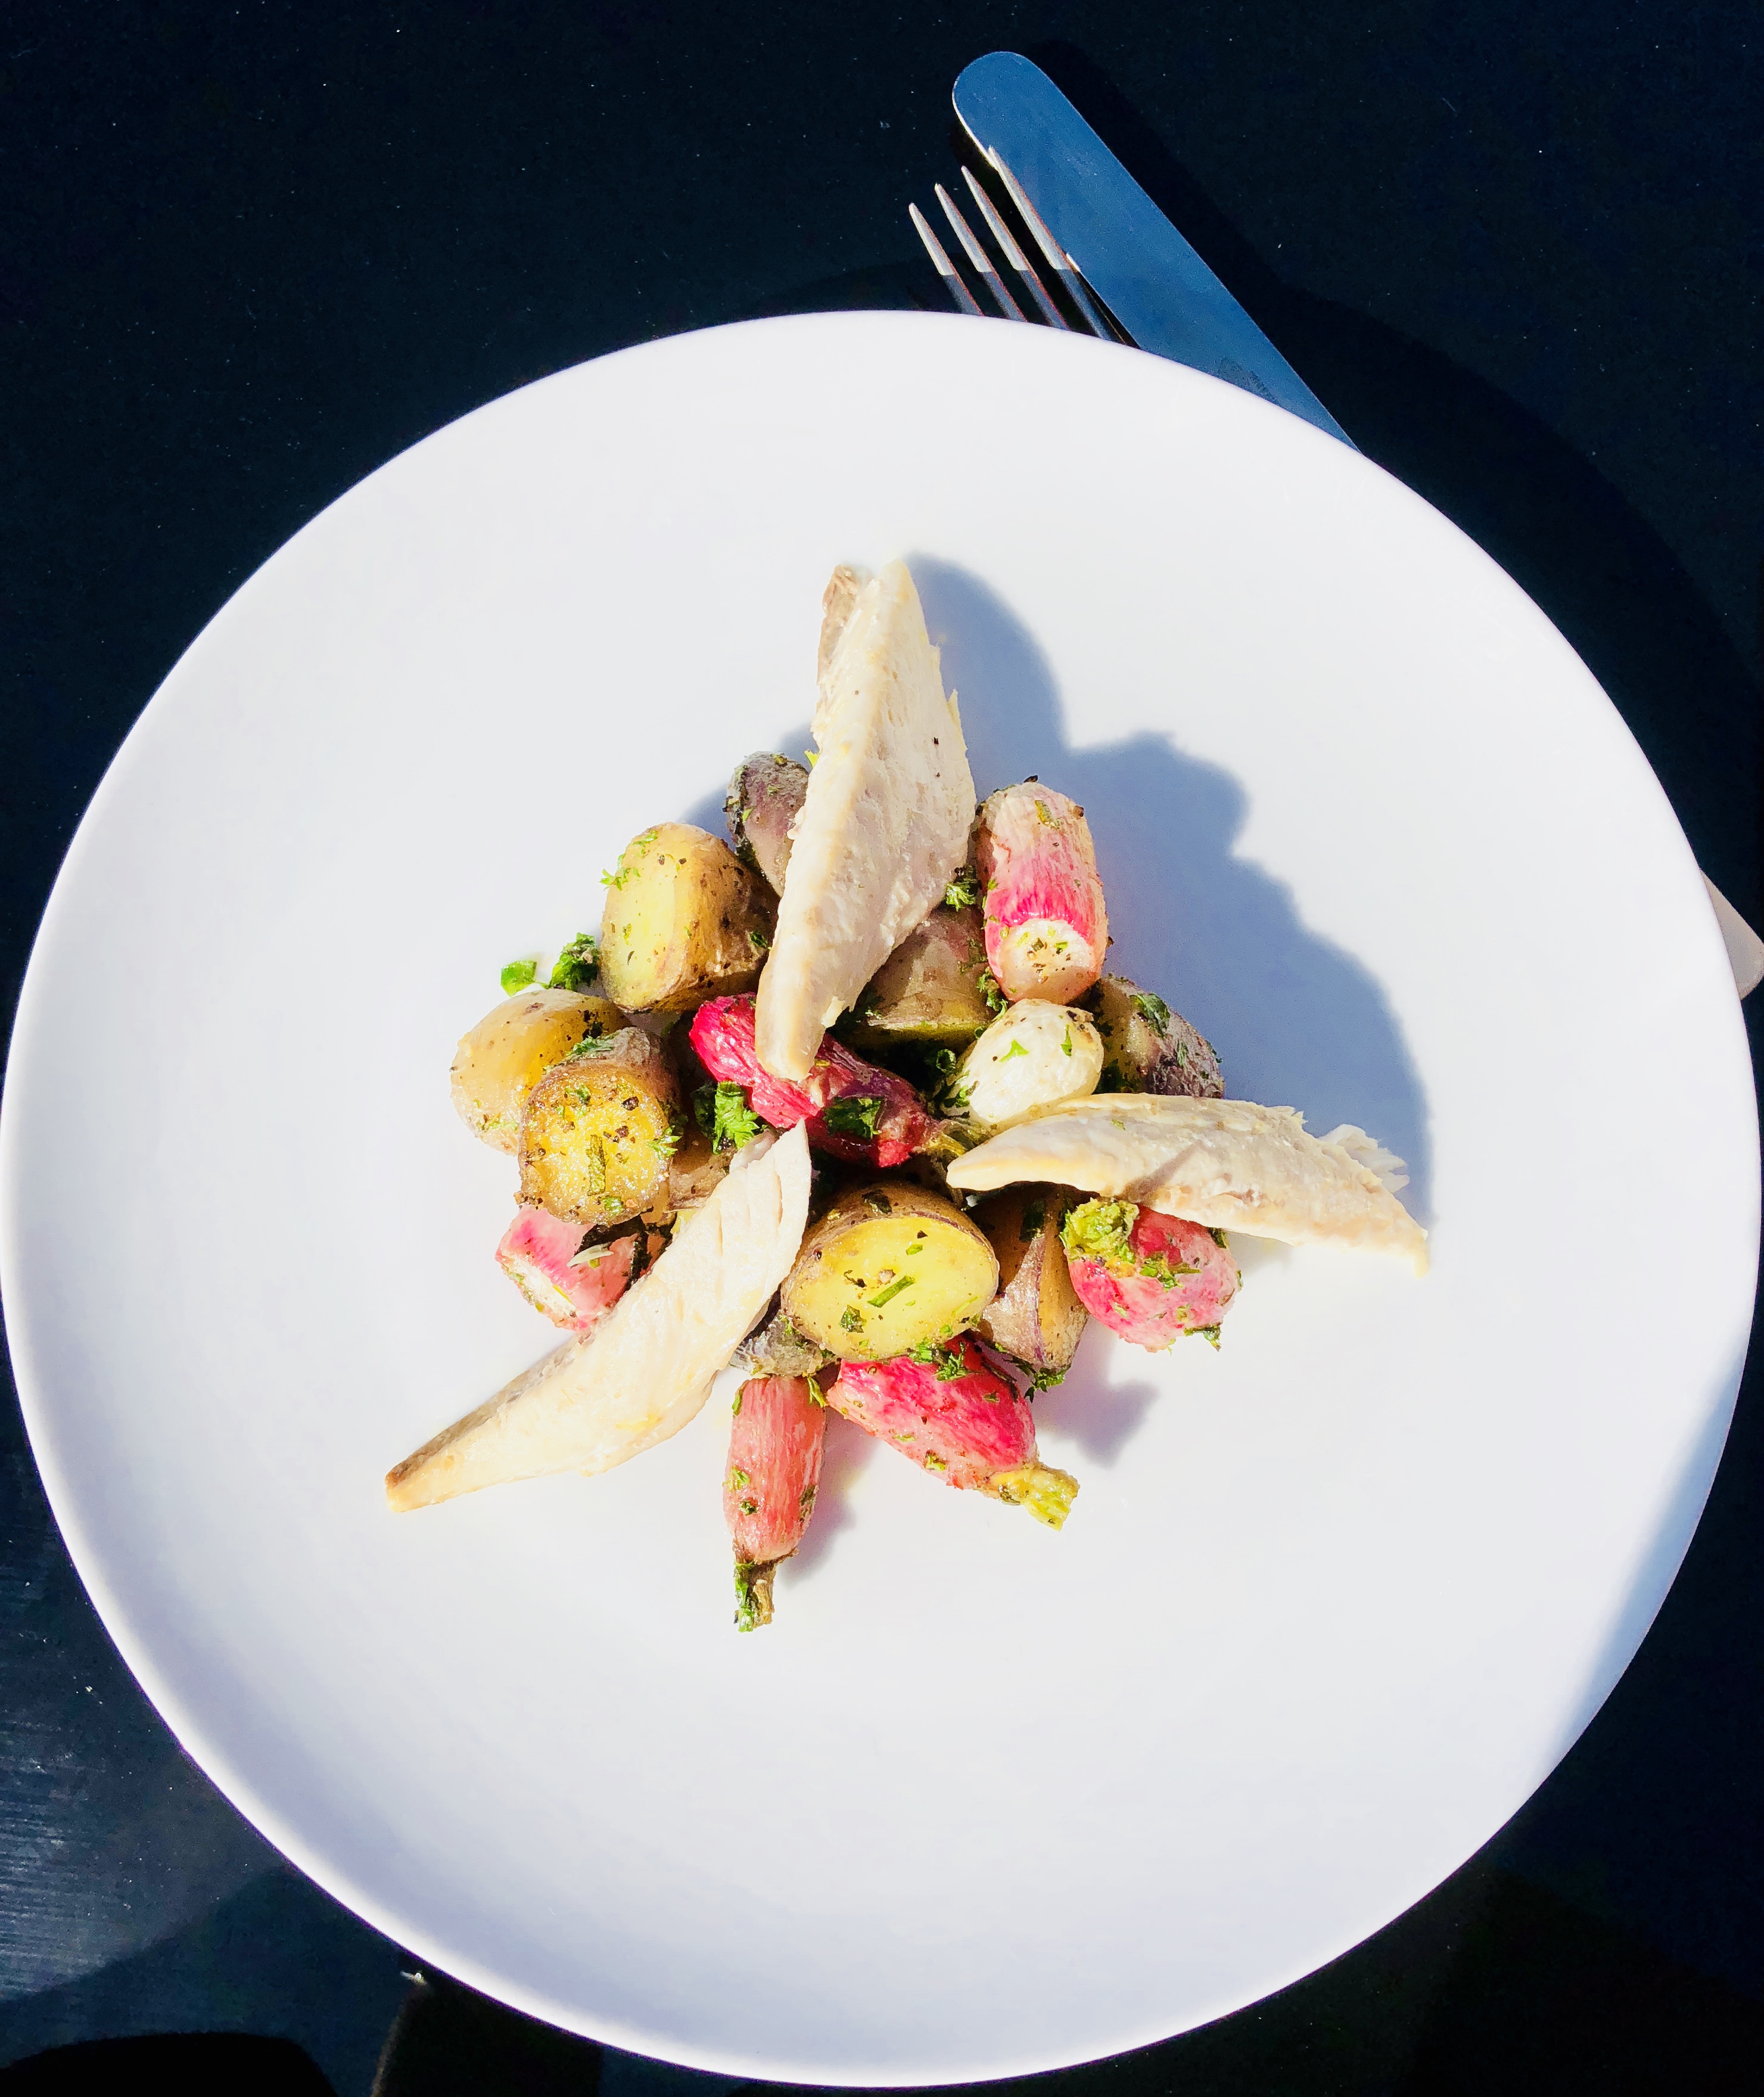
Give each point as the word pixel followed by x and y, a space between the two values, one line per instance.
pixel 498 1063
pixel 1036 1316
pixel 600 1130
pixel 684 921
pixel 931 988
pixel 889 1267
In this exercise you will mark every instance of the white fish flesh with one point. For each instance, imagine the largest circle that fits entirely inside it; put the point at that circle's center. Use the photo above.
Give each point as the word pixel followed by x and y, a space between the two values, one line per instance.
pixel 884 824
pixel 1228 1164
pixel 646 1369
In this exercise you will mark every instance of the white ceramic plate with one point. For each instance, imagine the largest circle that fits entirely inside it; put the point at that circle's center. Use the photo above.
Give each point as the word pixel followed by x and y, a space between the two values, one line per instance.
pixel 985 1799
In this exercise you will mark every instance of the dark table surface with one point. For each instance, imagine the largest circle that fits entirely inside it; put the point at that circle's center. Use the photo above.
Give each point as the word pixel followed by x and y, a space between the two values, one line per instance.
pixel 248 253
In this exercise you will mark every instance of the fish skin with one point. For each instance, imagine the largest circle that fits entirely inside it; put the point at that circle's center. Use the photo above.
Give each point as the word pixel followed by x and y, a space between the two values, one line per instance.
pixel 883 827
pixel 646 1369
pixel 1229 1164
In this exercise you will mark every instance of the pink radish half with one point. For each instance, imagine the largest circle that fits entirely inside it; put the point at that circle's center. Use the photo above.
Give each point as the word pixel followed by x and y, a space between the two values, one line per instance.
pixel 1150 1277
pixel 574 1283
pixel 955 1414
pixel 768 1489
pixel 1047 928
pixel 853 1109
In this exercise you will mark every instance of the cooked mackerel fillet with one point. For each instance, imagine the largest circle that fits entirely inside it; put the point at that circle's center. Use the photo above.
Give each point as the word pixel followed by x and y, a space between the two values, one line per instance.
pixel 647 1368
pixel 885 823
pixel 1228 1164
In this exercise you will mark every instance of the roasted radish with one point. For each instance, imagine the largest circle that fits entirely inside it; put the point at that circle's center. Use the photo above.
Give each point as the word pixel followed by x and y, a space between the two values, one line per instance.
pixel 562 1271
pixel 1047 929
pixel 952 1413
pixel 853 1110
pixel 1150 1277
pixel 1033 1057
pixel 768 1489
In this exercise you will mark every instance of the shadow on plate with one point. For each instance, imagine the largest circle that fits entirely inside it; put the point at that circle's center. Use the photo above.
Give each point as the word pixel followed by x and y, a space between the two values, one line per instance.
pixel 1297 1022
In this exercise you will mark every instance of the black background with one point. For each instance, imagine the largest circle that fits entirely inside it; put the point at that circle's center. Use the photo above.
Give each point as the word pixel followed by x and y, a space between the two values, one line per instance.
pixel 248 253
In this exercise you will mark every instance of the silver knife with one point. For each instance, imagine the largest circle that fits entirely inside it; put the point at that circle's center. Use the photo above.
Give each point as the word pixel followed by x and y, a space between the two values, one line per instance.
pixel 1163 295
pixel 1116 238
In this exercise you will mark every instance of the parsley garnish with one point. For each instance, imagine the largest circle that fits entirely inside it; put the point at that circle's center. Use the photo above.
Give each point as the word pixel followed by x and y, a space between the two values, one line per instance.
pixel 855 1116
pixel 850 1319
pixel 1101 1230
pixel 889 1294
pixel 1208 1332
pixel 617 880
pixel 738 1479
pixel 721 1110
pixel 517 976
pixel 592 1044
pixel 935 1463
pixel 1016 1049
pixel 949 1362
pixel 996 1000
pixel 1066 1046
pixel 1154 1010
pixel 964 890
pixel 577 964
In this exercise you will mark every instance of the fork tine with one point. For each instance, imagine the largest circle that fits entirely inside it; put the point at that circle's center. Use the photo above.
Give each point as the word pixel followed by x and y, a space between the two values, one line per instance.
pixel 1020 262
pixel 978 255
pixel 966 301
pixel 1063 264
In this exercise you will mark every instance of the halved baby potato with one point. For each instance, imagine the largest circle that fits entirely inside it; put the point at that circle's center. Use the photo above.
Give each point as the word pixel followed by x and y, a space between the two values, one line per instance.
pixel 1036 1317
pixel 684 921
pixel 889 1267
pixel 600 1130
pixel 931 988
pixel 497 1064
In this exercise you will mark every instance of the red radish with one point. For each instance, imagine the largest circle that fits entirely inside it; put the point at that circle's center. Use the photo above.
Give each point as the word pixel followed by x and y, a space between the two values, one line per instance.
pixel 574 1283
pixel 853 1109
pixel 1047 929
pixel 950 1411
pixel 1150 1277
pixel 768 1489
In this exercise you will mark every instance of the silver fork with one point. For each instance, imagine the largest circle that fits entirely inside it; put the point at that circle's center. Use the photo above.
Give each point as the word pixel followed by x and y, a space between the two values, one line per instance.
pixel 1065 275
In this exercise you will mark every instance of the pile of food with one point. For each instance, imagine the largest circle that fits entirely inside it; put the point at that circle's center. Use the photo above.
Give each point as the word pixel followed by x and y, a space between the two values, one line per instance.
pixel 851 1101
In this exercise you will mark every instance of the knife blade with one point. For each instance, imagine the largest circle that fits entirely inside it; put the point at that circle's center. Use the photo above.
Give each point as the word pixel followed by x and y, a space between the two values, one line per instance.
pixel 1152 281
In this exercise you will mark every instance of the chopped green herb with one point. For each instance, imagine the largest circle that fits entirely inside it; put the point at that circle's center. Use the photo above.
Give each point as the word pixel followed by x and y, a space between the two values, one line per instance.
pixel 874 1199
pixel 850 1319
pixel 1066 1046
pixel 734 1405
pixel 721 1110
pixel 964 890
pixel 854 1116
pixel 1207 1332
pixel 1221 1240
pixel 1034 1215
pixel 1102 1230
pixel 1182 1055
pixel 592 1044
pixel 665 1144
pixel 889 1294
pixel 949 1362
pixel 517 976
pixel 996 1000
pixel 811 758
pixel 758 941
pixel 1016 1049
pixel 617 880
pixel 1047 816
pixel 1045 1379
pixel 577 964
pixel 934 1462
pixel 1154 1010
pixel 738 1479
pixel 748 1506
